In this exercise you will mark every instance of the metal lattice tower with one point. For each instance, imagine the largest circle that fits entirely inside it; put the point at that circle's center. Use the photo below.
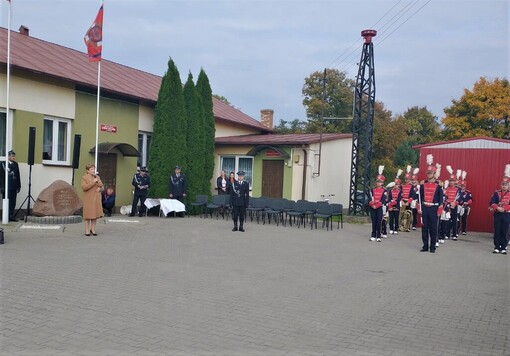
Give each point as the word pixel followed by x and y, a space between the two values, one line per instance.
pixel 363 127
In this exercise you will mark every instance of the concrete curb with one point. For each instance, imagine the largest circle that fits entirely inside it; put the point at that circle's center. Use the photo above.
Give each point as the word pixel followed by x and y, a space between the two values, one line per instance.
pixel 56 220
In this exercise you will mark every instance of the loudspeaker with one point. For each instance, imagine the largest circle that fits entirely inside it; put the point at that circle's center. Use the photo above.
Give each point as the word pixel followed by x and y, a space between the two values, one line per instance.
pixel 31 146
pixel 76 151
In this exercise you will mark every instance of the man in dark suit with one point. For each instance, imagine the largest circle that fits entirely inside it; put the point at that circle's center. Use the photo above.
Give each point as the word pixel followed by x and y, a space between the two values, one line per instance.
pixel 177 187
pixel 141 182
pixel 239 199
pixel 14 182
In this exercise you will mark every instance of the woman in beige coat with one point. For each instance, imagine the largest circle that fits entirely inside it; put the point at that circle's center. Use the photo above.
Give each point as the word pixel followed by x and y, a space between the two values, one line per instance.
pixel 92 208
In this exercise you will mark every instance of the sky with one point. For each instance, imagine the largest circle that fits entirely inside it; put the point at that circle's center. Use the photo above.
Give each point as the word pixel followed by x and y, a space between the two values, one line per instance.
pixel 257 53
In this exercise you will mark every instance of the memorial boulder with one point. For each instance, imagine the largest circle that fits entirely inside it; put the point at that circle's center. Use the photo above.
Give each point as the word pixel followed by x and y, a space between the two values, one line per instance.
pixel 58 199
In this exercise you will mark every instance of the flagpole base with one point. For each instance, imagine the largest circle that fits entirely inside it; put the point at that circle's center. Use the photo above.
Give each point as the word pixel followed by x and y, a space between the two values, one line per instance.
pixel 5 211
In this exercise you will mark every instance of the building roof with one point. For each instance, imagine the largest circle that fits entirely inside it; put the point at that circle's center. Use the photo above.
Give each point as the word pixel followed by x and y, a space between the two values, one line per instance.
pixel 275 139
pixel 49 59
pixel 470 143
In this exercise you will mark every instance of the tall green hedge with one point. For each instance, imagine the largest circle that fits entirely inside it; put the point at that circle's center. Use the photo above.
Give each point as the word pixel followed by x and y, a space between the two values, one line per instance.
pixel 195 137
pixel 168 147
pixel 205 92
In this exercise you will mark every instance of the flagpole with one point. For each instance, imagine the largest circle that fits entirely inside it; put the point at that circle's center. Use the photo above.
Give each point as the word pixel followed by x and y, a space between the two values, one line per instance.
pixel 97 112
pixel 5 202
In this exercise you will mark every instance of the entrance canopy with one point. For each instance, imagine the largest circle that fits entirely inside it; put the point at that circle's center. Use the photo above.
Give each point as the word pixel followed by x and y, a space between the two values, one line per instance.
pixel 258 148
pixel 125 148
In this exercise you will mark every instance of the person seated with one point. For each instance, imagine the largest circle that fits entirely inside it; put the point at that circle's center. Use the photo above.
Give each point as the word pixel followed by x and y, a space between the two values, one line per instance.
pixel 108 199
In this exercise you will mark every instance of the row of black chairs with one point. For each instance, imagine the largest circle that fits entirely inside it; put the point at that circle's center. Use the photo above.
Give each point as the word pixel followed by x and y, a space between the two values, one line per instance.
pixel 301 211
pixel 278 210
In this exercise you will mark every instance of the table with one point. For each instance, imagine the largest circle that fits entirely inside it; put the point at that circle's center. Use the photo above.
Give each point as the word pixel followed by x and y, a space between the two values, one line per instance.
pixel 166 205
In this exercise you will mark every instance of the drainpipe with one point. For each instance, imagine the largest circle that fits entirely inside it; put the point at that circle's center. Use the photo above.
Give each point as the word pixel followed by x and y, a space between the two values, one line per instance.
pixel 305 163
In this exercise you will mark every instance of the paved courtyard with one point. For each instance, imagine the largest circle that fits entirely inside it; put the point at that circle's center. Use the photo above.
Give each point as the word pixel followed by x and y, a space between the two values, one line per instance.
pixel 190 286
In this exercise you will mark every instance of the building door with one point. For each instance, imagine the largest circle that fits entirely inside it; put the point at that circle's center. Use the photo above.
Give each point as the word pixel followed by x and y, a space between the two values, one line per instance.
pixel 107 169
pixel 272 179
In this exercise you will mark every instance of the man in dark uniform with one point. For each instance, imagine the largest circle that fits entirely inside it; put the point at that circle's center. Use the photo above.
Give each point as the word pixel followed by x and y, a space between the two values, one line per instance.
pixel 141 182
pixel 431 206
pixel 239 199
pixel 177 187
pixel 14 183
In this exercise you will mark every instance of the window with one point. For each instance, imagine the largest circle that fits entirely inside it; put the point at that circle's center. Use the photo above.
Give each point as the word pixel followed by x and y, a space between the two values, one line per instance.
pixel 238 163
pixel 144 145
pixel 56 141
pixel 3 117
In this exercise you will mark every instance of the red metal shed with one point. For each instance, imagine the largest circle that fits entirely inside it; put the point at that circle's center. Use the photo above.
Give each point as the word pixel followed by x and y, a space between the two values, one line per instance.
pixel 484 160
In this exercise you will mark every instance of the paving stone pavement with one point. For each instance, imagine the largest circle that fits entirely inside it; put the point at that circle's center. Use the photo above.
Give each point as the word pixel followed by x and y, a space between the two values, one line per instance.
pixel 190 286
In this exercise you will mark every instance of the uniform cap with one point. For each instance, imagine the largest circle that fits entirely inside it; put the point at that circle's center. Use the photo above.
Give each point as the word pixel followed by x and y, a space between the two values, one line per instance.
pixel 398 181
pixel 240 173
pixel 143 169
pixel 432 168
pixel 380 178
pixel 177 167
pixel 12 153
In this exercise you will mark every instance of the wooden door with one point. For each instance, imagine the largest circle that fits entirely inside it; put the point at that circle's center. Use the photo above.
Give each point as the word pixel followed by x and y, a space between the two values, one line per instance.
pixel 272 179
pixel 107 168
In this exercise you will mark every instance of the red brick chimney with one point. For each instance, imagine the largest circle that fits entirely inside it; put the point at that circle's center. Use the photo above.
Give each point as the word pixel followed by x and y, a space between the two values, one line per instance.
pixel 266 118
pixel 24 30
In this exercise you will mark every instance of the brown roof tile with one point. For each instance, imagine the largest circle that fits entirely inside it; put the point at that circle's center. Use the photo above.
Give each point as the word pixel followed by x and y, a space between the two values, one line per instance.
pixel 39 56
pixel 275 139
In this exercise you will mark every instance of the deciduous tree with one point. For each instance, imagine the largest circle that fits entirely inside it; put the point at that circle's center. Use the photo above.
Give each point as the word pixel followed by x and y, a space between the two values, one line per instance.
pixel 332 100
pixel 482 111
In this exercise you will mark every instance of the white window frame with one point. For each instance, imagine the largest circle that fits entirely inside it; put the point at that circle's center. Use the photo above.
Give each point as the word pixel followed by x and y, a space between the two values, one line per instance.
pixel 236 169
pixel 54 146
pixel 144 152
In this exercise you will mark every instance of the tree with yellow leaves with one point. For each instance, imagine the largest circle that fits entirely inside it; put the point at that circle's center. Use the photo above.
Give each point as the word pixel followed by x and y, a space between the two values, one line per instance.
pixel 483 111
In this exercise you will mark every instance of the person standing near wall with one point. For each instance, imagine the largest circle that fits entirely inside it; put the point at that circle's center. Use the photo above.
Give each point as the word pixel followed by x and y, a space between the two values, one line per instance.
pixel 14 181
pixel 141 182
pixel 177 187
pixel 222 183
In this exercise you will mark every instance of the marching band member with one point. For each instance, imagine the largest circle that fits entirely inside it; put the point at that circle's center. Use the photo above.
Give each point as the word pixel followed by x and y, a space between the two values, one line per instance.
pixel 465 201
pixel 394 198
pixel 378 199
pixel 416 192
pixel 408 195
pixel 500 206
pixel 444 218
pixel 431 199
pixel 452 195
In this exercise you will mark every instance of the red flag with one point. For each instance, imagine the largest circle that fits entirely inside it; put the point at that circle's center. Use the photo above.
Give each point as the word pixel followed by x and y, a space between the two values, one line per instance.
pixel 94 38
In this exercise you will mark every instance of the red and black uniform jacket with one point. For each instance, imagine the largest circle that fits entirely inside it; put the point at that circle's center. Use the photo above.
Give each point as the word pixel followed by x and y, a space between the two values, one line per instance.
pixel 408 193
pixel 394 198
pixel 500 198
pixel 378 196
pixel 431 195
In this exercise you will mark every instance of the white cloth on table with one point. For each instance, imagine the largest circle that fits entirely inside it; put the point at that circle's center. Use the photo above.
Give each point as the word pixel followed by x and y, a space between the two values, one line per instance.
pixel 166 205
pixel 151 203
